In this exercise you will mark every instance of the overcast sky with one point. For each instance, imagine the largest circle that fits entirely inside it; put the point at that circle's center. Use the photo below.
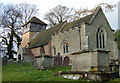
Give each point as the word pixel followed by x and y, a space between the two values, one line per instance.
pixel 46 5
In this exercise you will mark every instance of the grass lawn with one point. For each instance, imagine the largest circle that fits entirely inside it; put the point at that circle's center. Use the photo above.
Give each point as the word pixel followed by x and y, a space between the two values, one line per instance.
pixel 25 72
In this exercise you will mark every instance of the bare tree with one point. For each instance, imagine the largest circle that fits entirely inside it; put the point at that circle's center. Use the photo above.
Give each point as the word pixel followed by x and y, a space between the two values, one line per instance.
pixel 1 8
pixel 59 14
pixel 81 12
pixel 12 18
pixel 62 13
pixel 28 11
pixel 85 11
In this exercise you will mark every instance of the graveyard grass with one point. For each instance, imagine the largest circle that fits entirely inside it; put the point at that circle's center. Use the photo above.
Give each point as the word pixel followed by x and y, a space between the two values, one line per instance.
pixel 26 72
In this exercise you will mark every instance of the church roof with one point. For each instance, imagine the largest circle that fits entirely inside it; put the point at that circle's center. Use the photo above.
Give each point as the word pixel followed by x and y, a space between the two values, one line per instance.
pixel 44 37
pixel 77 23
pixel 87 19
pixel 35 20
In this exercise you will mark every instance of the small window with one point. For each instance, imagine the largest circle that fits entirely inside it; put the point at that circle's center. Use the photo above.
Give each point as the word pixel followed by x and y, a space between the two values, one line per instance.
pixel 54 50
pixel 65 47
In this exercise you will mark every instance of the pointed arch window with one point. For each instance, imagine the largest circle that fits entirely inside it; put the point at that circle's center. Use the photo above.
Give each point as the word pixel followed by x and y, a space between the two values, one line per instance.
pixel 100 38
pixel 54 50
pixel 65 47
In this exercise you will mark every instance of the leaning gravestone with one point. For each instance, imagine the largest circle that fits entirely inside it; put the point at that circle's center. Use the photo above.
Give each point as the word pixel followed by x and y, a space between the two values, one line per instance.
pixel 4 60
pixel 66 61
pixel 11 61
pixel 58 60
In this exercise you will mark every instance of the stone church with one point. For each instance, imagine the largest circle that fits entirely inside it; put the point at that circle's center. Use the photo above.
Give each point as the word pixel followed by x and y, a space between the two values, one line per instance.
pixel 89 40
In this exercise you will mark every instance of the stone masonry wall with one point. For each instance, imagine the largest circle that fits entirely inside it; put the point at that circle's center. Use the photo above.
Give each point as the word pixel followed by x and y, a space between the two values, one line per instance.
pixel 36 51
pixel 85 61
pixel 91 31
pixel 26 37
pixel 72 38
pixel 82 62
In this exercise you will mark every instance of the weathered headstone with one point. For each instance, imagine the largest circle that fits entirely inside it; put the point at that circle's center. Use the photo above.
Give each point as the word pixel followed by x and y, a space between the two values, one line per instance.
pixel 58 60
pixel 11 61
pixel 4 60
pixel 66 61
pixel 43 62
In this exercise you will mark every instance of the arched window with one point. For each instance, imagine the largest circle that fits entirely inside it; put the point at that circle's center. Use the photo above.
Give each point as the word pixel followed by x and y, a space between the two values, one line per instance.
pixel 65 47
pixel 100 38
pixel 54 50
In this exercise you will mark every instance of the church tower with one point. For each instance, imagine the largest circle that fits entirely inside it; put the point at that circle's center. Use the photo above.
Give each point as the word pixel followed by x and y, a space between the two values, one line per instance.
pixel 31 29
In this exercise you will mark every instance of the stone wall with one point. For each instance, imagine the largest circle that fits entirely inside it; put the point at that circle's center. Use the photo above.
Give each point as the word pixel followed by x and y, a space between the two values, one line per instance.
pixel 85 61
pixel 26 37
pixel 36 51
pixel 70 36
pixel 28 58
pixel 103 60
pixel 82 62
pixel 91 31
pixel 47 47
pixel 115 51
pixel 88 34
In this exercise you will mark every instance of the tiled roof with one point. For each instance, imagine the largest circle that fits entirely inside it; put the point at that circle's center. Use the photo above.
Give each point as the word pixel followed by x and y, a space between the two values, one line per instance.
pixel 44 37
pixel 35 20
pixel 77 23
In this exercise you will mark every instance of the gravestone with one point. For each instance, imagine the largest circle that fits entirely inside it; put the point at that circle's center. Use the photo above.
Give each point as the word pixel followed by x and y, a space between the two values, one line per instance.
pixel 58 60
pixel 11 61
pixel 43 62
pixel 4 60
pixel 66 61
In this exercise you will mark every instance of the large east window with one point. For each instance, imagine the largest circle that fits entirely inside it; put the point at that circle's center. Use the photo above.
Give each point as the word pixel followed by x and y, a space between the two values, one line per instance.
pixel 100 37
